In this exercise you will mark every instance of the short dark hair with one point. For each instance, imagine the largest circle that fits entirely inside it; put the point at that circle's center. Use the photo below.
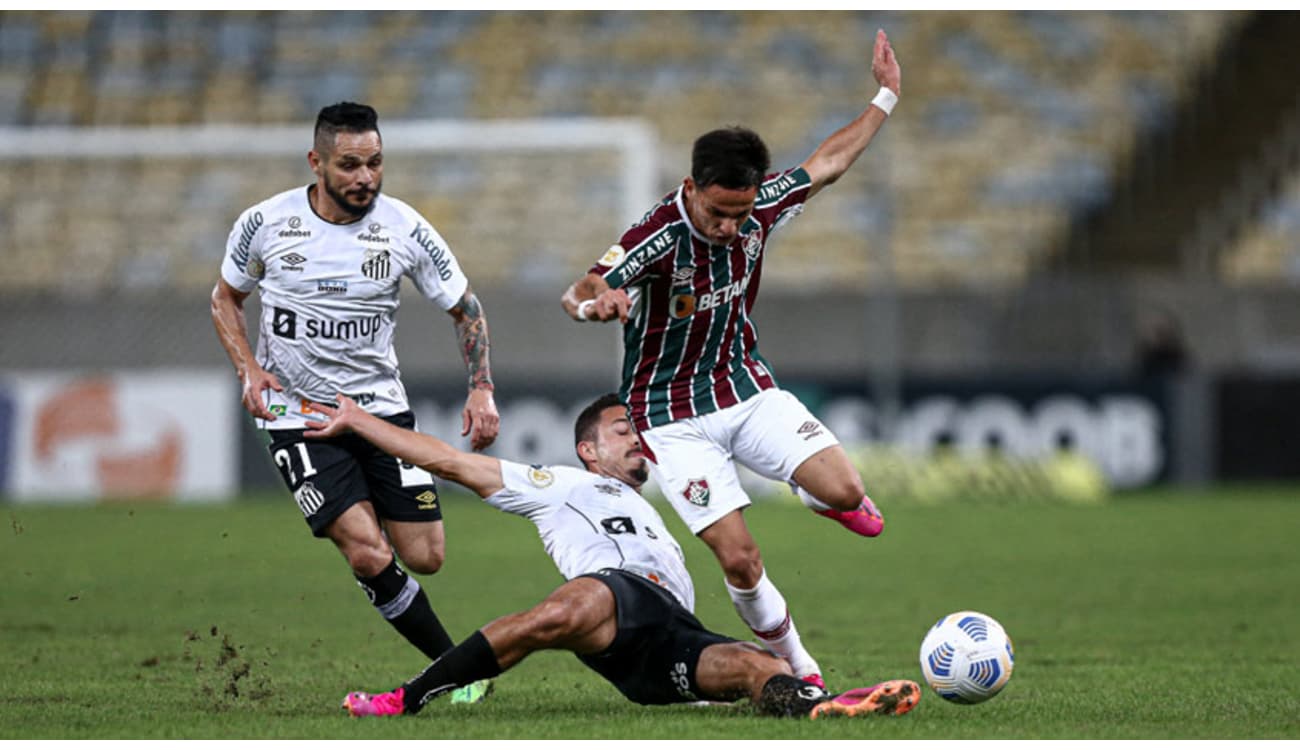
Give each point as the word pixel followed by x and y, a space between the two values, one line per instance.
pixel 585 426
pixel 734 158
pixel 344 117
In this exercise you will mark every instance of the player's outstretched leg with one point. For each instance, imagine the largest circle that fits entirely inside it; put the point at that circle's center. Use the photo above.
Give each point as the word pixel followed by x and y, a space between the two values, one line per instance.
pixel 475 692
pixel 891 698
pixel 784 695
pixel 383 704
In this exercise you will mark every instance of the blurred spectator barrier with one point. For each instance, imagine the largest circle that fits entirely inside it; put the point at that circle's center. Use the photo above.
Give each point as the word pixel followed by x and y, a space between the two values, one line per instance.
pixel 158 434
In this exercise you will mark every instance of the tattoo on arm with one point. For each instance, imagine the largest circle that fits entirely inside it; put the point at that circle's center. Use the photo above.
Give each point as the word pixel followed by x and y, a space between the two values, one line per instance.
pixel 472 331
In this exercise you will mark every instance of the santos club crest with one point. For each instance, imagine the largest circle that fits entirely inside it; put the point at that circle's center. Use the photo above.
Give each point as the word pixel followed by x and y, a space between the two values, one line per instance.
pixel 697 492
pixel 377 264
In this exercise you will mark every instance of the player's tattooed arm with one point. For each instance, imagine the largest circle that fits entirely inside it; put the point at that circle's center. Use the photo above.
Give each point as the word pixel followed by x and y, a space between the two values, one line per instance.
pixel 472 332
pixel 479 419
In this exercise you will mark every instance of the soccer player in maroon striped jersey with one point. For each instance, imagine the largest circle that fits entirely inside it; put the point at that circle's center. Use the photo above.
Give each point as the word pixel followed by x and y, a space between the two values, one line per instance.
pixel 683 282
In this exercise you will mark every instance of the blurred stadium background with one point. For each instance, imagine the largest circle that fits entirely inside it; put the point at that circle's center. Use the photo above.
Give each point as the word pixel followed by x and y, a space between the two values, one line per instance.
pixel 1079 229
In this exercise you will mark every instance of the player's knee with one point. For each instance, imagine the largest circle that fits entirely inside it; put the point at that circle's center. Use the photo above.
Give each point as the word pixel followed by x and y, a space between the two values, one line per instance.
pixel 845 493
pixel 551 622
pixel 426 561
pixel 742 565
pixel 368 560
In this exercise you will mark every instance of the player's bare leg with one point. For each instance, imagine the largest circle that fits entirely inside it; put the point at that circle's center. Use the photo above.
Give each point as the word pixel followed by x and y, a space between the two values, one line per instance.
pixel 421 546
pixel 828 483
pixel 579 616
pixel 396 595
pixel 731 671
pixel 358 537
pixel 758 602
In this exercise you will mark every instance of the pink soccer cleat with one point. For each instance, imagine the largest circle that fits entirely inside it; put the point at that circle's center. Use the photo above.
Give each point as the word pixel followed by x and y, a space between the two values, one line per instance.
pixel 864 521
pixel 892 698
pixel 814 679
pixel 384 704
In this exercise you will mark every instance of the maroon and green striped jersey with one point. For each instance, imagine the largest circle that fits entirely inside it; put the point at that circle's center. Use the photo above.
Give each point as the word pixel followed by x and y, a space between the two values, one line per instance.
pixel 689 345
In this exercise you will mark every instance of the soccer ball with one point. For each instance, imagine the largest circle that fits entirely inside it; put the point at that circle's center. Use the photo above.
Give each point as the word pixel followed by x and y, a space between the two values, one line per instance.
pixel 967 657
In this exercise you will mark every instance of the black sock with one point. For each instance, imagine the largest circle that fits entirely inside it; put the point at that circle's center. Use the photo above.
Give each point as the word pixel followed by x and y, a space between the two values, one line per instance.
pixel 402 602
pixel 784 695
pixel 472 660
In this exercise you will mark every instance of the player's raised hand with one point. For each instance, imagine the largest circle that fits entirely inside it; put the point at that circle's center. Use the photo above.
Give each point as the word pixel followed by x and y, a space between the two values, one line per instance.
pixel 612 303
pixel 338 419
pixel 479 419
pixel 884 66
pixel 255 381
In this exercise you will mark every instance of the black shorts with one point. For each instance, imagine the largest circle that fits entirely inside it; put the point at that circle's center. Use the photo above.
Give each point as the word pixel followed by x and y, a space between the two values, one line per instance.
pixel 658 645
pixel 328 476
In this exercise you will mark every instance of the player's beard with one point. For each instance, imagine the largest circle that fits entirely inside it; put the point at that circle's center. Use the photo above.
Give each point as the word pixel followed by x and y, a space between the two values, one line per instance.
pixel 640 472
pixel 341 199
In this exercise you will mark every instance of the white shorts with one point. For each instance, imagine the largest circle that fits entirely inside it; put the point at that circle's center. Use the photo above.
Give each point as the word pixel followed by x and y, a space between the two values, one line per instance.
pixel 771 433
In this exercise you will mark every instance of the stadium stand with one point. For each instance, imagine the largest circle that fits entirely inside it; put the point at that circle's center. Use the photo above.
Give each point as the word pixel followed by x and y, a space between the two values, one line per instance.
pixel 1269 250
pixel 1012 124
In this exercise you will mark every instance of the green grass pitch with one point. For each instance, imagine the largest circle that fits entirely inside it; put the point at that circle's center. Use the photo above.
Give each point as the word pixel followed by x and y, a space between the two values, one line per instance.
pixel 1157 615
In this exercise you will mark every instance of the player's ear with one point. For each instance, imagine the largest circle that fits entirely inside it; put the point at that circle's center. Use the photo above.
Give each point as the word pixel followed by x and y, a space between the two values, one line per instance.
pixel 587 451
pixel 313 161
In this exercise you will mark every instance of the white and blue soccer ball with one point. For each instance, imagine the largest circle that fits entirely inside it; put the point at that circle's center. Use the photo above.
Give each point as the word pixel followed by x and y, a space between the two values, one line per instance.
pixel 967 657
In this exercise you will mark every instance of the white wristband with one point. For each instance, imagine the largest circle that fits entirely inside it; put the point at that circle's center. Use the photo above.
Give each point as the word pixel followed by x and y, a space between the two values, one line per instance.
pixel 584 307
pixel 885 99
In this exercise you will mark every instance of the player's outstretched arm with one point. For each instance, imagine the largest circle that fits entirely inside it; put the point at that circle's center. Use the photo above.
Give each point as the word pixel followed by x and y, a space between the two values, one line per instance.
pixel 837 153
pixel 480 473
pixel 591 298
pixel 479 418
pixel 227 308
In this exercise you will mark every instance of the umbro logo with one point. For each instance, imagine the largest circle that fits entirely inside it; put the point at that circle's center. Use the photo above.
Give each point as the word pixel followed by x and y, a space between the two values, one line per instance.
pixel 292 262
pixel 810 430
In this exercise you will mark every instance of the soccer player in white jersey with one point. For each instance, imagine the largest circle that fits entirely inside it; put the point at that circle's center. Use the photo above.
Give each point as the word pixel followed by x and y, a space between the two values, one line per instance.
pixel 328 259
pixel 683 282
pixel 626 607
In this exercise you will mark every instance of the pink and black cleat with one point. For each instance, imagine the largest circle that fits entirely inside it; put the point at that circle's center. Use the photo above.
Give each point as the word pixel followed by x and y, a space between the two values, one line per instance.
pixel 384 704
pixel 892 698
pixel 814 679
pixel 864 521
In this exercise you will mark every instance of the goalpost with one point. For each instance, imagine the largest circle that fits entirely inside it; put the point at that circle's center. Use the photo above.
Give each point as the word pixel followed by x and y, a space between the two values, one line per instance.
pixel 632 139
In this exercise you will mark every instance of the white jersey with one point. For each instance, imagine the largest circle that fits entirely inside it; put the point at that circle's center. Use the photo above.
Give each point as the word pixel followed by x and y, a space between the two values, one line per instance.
pixel 588 522
pixel 330 294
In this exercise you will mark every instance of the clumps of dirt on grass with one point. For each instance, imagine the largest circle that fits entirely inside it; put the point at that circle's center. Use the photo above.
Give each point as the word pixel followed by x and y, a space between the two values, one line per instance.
pixel 225 672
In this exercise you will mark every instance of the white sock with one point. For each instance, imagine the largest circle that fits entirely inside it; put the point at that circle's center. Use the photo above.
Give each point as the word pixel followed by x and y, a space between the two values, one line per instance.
pixel 809 500
pixel 764 610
